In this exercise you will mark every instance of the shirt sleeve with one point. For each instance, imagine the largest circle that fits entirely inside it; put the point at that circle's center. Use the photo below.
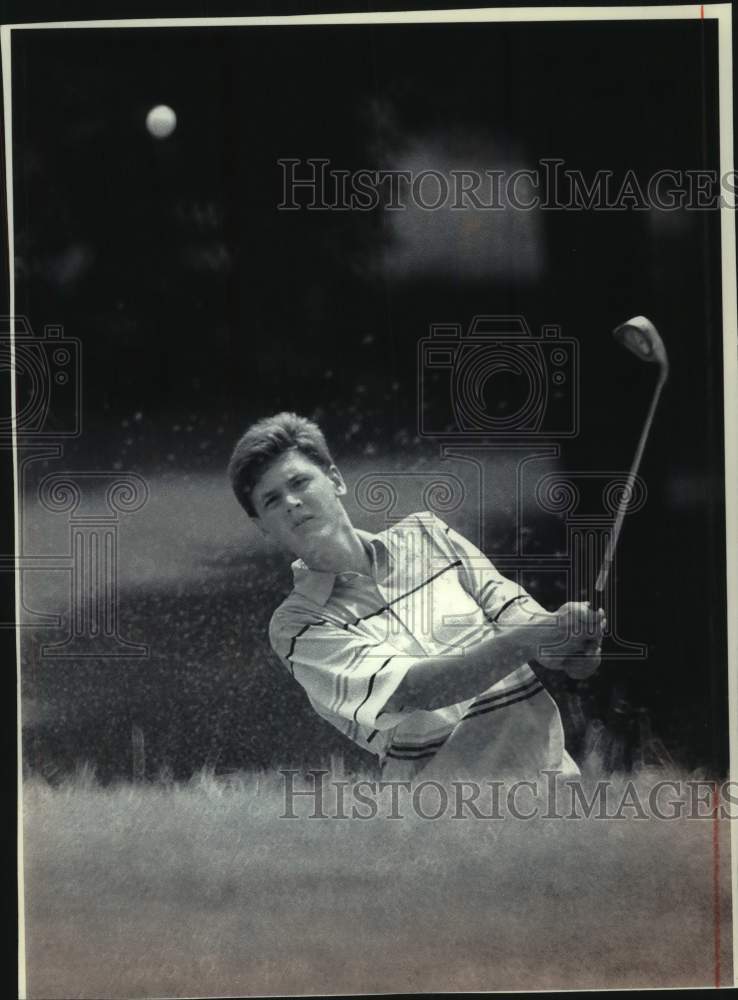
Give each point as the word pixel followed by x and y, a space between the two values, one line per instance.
pixel 503 601
pixel 344 671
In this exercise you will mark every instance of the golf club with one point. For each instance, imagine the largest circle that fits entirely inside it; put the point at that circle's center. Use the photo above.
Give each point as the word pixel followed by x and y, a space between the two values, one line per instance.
pixel 641 337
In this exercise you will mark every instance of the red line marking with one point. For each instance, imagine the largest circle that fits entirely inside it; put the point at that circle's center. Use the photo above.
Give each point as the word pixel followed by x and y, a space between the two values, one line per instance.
pixel 702 11
pixel 716 879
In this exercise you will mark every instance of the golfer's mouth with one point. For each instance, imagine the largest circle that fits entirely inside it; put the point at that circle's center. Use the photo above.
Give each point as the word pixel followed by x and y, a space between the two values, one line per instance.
pixel 304 520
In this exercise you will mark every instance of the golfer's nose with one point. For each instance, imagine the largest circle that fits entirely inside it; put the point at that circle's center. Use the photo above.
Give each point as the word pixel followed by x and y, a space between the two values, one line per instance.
pixel 293 501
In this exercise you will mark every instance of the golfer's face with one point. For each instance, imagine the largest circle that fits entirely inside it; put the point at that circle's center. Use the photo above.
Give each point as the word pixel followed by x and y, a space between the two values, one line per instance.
pixel 297 503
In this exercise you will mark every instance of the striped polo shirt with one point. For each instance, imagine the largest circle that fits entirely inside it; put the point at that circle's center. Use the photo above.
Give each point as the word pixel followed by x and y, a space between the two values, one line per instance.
pixel 349 639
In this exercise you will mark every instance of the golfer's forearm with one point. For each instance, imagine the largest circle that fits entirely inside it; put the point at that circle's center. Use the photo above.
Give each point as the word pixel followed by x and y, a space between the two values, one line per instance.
pixel 436 681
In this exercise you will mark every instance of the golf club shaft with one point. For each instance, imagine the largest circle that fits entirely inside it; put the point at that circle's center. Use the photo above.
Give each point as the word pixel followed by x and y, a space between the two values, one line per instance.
pixel 601 582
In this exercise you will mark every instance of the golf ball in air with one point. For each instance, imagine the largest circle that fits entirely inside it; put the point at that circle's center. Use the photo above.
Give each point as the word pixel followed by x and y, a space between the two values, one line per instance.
pixel 161 121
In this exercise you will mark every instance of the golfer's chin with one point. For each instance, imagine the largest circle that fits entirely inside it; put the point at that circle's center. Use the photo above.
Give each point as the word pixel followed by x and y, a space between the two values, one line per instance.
pixel 310 539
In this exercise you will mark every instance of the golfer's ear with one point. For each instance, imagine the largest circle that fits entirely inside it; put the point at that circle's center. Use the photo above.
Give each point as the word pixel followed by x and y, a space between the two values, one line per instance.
pixel 337 479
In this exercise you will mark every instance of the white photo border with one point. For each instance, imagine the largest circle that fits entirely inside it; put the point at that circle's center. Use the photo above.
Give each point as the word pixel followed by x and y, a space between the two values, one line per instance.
pixel 722 14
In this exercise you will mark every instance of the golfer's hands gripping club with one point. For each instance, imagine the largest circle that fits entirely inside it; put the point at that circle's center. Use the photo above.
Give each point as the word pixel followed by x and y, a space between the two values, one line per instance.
pixel 578 649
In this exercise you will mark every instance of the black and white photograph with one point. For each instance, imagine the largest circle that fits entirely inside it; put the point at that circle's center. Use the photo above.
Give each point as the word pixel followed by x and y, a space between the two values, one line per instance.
pixel 372 383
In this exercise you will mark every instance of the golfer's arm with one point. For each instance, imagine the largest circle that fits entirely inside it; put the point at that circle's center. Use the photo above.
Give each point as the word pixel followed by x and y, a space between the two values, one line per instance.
pixel 436 681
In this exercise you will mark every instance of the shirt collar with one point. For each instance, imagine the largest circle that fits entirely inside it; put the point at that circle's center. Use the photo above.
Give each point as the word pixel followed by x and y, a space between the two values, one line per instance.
pixel 317 585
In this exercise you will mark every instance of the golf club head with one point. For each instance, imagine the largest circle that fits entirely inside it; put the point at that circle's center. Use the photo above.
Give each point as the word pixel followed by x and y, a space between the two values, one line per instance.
pixel 642 338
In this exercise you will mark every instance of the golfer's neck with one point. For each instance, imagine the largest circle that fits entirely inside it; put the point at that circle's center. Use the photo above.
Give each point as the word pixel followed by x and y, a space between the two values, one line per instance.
pixel 344 552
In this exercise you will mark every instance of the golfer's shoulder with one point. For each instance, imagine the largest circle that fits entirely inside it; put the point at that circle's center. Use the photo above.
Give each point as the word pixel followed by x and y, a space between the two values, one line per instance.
pixel 294 615
pixel 423 524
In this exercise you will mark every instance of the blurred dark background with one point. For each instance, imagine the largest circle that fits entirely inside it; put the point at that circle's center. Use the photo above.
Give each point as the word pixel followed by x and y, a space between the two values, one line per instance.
pixel 200 306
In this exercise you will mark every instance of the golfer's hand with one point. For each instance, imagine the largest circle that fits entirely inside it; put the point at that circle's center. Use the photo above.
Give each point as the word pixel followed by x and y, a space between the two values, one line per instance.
pixel 580 631
pixel 584 664
pixel 576 626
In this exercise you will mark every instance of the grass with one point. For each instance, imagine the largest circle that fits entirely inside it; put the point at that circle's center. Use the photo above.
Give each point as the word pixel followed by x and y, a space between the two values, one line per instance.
pixel 199 888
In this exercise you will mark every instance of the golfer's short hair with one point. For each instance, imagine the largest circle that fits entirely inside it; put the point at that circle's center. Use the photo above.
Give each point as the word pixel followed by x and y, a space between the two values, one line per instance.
pixel 267 440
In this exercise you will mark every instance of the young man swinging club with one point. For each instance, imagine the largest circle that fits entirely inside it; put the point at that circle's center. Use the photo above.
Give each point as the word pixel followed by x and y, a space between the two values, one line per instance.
pixel 409 641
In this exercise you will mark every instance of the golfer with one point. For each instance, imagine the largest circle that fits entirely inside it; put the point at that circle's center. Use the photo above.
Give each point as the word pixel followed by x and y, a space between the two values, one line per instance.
pixel 409 641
